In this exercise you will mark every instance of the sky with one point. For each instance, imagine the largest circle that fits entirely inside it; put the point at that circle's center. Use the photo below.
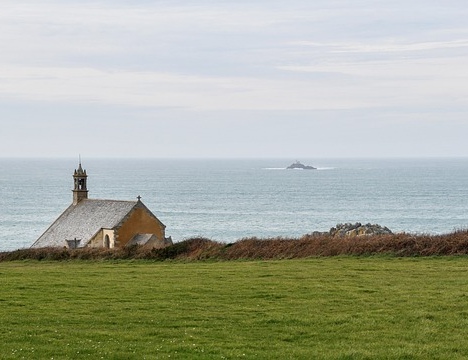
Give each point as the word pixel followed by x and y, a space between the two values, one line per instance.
pixel 233 79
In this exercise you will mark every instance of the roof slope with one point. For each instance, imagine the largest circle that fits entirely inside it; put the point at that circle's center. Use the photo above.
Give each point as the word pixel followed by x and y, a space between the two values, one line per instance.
pixel 140 239
pixel 83 221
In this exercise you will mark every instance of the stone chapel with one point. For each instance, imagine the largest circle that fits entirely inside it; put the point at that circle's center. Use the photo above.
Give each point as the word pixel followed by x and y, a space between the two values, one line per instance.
pixel 103 223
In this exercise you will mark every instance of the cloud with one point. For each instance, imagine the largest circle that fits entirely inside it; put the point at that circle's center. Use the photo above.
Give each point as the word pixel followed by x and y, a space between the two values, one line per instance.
pixel 394 61
pixel 385 47
pixel 152 89
pixel 400 70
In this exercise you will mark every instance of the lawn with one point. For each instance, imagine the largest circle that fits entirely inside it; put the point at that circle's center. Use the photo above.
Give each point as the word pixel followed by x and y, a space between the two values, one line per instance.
pixel 322 308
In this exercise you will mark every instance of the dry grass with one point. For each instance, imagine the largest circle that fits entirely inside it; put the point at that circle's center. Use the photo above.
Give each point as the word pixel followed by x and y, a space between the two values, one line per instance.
pixel 403 244
pixel 310 246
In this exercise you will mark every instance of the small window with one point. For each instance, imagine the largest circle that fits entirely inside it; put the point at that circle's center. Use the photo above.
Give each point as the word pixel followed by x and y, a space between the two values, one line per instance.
pixel 107 242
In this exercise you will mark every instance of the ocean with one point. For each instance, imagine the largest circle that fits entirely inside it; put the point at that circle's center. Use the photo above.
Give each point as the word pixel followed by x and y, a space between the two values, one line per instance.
pixel 226 200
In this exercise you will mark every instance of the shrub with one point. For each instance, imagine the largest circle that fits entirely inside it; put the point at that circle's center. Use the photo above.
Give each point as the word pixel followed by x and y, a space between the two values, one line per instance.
pixel 200 248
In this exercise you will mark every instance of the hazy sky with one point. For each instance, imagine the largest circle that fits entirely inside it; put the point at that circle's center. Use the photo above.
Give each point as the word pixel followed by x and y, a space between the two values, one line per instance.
pixel 293 79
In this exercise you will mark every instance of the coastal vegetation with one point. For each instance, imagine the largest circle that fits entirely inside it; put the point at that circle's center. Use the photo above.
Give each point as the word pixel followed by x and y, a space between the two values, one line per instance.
pixel 312 245
pixel 342 307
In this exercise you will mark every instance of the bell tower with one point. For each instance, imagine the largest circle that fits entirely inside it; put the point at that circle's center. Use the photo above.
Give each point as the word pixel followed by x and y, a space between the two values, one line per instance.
pixel 80 190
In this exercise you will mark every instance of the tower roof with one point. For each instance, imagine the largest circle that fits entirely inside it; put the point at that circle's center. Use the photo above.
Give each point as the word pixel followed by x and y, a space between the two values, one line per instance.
pixel 80 171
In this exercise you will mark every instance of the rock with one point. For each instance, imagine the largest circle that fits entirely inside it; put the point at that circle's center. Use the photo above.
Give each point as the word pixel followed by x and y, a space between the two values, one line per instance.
pixel 299 165
pixel 357 229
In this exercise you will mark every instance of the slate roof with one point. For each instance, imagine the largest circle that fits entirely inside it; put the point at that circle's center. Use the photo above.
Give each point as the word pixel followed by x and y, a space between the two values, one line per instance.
pixel 83 221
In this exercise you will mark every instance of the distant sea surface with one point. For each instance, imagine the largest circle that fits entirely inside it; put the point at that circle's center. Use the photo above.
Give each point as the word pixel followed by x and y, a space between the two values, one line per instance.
pixel 226 200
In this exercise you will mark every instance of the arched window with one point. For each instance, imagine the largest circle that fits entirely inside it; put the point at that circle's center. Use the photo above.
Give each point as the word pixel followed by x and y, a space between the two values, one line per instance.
pixel 107 242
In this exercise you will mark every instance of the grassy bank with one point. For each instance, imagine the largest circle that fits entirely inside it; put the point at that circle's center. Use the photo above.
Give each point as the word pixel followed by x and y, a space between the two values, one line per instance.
pixel 323 308
pixel 307 246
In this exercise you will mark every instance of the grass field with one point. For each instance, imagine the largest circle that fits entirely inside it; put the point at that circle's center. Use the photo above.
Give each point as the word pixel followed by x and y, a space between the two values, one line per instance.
pixel 323 308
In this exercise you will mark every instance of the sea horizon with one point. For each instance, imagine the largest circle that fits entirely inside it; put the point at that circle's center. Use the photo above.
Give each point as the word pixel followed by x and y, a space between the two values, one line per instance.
pixel 227 199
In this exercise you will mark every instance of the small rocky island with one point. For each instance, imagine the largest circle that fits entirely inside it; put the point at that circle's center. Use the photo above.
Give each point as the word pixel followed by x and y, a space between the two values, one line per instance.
pixel 299 165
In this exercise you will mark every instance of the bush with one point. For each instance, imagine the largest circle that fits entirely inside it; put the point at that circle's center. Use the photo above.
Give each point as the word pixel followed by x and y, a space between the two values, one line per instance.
pixel 402 244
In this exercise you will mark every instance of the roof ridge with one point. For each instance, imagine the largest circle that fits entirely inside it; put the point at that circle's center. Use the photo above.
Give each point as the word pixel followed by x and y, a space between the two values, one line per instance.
pixel 129 201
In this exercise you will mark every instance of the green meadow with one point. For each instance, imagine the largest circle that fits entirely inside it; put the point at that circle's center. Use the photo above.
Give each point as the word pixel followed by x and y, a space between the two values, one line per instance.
pixel 320 308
